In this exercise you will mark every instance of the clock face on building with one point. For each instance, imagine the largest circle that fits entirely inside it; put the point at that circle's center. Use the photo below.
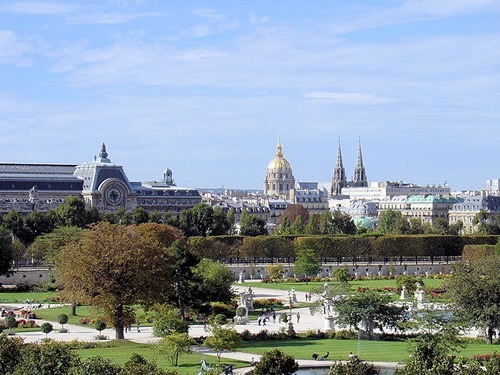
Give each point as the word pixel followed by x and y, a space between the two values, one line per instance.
pixel 114 196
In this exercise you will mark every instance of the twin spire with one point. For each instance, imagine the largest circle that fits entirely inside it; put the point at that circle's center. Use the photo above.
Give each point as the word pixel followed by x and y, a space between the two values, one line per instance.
pixel 339 179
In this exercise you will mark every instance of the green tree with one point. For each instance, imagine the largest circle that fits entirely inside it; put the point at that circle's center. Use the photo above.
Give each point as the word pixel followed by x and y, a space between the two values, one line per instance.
pixel 36 224
pixel 231 219
pixel 112 267
pixel 46 247
pixel 312 226
pixel 51 358
pixel 275 272
pixel 174 345
pixel 307 263
pixel 95 366
pixel 354 366
pixel 6 250
pixel 46 328
pixel 197 221
pixel 410 282
pixel 138 365
pixel 341 274
pixel 288 223
pixel 13 221
pixel 100 326
pixel 155 217
pixel 275 362
pixel 220 223
pixel 392 222
pixel 222 339
pixel 251 225
pixel 284 227
pixel 216 280
pixel 139 216
pixel 367 311
pixel 10 322
pixel 62 319
pixel 122 217
pixel 18 251
pixel 72 213
pixel 10 353
pixel 487 223
pixel 166 320
pixel 474 288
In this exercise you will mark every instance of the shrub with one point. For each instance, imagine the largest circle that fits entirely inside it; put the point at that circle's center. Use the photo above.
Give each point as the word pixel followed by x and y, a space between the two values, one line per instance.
pixel 346 335
pixel 10 353
pixel 52 358
pixel 84 320
pixel 95 366
pixel 100 326
pixel 220 319
pixel 275 362
pixel 222 308
pixel 241 311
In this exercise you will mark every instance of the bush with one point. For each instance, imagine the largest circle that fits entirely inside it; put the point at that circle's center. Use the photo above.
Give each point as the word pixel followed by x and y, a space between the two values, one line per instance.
pixel 100 326
pixel 84 320
pixel 222 308
pixel 95 366
pixel 275 362
pixel 10 353
pixel 346 335
pixel 52 358
pixel 220 319
pixel 241 311
pixel 138 365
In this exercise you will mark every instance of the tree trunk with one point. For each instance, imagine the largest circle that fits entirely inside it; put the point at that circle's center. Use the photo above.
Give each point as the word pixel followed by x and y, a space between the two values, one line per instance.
pixel 118 315
pixel 73 308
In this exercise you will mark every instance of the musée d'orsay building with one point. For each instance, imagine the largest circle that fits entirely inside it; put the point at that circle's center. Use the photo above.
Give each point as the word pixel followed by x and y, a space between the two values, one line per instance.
pixel 101 183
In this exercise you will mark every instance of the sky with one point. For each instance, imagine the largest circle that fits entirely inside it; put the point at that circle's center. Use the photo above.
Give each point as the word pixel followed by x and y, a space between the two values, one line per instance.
pixel 206 87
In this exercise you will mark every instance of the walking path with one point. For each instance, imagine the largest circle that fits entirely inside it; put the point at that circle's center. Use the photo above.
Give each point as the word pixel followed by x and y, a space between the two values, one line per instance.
pixel 306 322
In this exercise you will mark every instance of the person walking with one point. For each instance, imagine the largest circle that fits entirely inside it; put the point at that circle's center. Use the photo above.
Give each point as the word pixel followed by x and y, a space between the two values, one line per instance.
pixel 298 316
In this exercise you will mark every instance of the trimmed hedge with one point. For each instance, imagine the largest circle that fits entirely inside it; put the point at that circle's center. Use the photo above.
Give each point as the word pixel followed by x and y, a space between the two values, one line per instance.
pixel 225 247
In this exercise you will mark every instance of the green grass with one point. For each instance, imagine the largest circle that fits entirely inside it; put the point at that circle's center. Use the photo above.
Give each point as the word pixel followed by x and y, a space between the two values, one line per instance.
pixel 20 297
pixel 429 283
pixel 383 351
pixel 121 352
pixel 52 314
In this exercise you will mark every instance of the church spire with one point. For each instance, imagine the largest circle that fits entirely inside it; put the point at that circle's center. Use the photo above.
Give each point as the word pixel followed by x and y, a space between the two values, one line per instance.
pixel 339 178
pixel 360 179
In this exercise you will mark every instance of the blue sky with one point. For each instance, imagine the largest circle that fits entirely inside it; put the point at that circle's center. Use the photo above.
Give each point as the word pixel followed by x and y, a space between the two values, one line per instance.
pixel 205 87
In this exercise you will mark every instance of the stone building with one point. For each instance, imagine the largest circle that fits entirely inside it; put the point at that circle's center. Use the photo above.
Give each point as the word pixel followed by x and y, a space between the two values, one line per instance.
pixel 279 178
pixel 466 211
pixel 100 183
pixel 339 179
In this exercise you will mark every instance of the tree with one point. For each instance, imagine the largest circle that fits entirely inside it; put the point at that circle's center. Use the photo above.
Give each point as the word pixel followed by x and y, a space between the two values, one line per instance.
pixel 312 226
pixel 341 274
pixel 46 247
pixel 46 328
pixel 139 216
pixel 174 345
pixel 251 225
pixel 36 224
pixel 275 272
pixel 10 322
pixel 354 366
pixel 51 358
pixel 138 365
pixel 100 326
pixel 306 263
pixel 475 293
pixel 62 319
pixel 487 223
pixel 220 223
pixel 166 320
pixel 275 362
pixel 392 222
pixel 369 310
pixel 197 221
pixel 6 250
pixel 10 353
pixel 112 267
pixel 95 366
pixel 72 213
pixel 216 280
pixel 291 213
pixel 13 221
pixel 222 339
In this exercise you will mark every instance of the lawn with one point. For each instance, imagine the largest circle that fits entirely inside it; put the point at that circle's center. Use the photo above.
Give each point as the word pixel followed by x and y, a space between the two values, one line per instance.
pixel 429 283
pixel 121 352
pixel 383 351
pixel 20 297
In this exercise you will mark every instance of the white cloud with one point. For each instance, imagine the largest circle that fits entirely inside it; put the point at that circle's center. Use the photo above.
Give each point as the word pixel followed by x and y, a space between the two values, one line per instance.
pixel 111 18
pixel 39 7
pixel 348 97
pixel 12 49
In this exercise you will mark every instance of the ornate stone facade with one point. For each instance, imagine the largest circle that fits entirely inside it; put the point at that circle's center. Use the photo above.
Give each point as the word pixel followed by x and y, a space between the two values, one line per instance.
pixel 100 183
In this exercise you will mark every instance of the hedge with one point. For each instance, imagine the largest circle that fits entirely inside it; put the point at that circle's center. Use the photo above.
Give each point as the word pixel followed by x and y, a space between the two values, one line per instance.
pixel 225 247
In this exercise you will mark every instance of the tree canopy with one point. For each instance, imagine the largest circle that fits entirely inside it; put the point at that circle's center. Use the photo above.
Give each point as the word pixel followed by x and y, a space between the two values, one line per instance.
pixel 6 250
pixel 113 267
pixel 475 293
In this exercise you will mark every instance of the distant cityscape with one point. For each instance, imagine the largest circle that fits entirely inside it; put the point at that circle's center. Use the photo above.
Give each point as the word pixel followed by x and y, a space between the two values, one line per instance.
pixel 103 184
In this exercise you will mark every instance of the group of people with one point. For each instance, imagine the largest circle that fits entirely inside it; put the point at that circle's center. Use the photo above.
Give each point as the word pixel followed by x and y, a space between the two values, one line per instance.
pixel 316 356
pixel 264 316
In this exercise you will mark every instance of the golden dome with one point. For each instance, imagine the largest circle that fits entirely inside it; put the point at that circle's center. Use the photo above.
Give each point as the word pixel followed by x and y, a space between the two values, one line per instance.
pixel 279 162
